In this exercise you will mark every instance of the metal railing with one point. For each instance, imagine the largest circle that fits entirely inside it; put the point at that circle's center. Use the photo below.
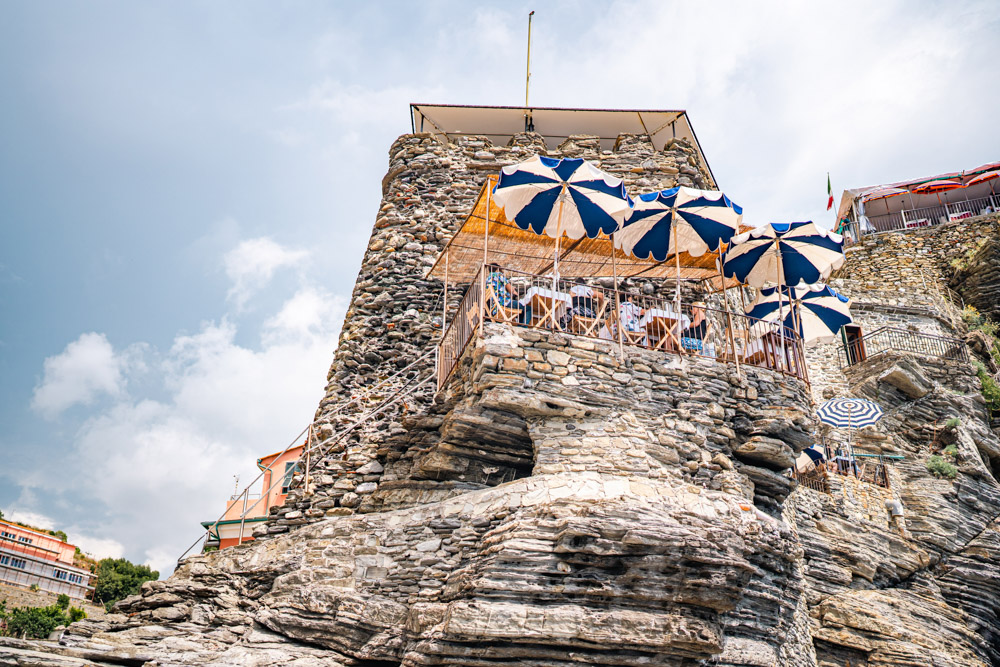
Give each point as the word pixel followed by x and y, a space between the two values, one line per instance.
pixel 573 307
pixel 460 329
pixel 891 339
pixel 928 216
pixel 319 449
pixel 813 479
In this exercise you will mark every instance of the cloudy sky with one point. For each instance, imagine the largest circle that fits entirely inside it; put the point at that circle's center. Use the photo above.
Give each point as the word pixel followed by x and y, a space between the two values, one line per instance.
pixel 186 189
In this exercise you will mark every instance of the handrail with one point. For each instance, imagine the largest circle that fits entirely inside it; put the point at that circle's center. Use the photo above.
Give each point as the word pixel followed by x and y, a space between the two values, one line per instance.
pixel 264 494
pixel 889 339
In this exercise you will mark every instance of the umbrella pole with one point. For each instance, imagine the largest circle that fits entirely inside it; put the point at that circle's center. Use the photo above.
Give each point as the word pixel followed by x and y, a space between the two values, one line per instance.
pixel 781 312
pixel 746 322
pixel 729 317
pixel 486 250
pixel 677 260
pixel 618 307
pixel 555 264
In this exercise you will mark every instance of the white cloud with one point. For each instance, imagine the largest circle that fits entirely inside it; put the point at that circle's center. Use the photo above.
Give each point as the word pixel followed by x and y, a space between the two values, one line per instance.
pixel 87 369
pixel 157 464
pixel 252 264
pixel 97 547
pixel 36 519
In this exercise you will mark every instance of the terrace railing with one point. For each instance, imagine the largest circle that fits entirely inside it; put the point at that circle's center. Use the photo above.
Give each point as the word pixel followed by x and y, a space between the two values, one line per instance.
pixel 460 330
pixel 928 216
pixel 892 339
pixel 653 322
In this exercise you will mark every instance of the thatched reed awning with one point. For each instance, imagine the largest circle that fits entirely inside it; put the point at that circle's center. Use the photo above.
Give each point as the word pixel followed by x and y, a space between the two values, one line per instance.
pixel 513 248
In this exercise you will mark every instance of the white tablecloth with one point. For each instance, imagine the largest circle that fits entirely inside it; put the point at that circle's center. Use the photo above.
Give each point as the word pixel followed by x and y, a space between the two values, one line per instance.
pixel 665 314
pixel 548 295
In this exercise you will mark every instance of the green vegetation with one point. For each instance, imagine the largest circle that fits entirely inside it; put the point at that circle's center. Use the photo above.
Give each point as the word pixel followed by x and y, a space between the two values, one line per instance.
pixel 939 467
pixel 962 263
pixel 953 422
pixel 991 390
pixel 62 601
pixel 37 622
pixel 951 451
pixel 118 578
pixel 979 322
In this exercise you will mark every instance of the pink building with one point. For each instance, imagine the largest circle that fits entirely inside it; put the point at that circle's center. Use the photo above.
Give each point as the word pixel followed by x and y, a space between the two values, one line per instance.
pixel 29 557
pixel 232 529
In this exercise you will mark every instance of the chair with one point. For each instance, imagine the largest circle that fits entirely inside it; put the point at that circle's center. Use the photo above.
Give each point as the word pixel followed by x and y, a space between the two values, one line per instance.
pixel 589 326
pixel 496 311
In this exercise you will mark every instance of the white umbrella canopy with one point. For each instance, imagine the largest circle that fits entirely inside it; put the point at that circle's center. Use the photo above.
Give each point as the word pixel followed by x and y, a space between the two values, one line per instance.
pixel 817 312
pixel 785 254
pixel 678 220
pixel 568 197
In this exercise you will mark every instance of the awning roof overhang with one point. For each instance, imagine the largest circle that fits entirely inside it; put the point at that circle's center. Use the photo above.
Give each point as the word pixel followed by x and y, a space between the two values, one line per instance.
pixel 850 195
pixel 555 124
pixel 514 248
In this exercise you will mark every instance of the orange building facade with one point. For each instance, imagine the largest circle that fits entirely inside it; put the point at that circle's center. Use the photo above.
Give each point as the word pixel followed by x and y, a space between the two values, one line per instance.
pixel 32 558
pixel 245 511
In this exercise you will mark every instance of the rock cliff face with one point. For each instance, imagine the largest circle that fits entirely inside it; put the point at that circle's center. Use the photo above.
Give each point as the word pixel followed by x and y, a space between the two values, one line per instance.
pixel 558 503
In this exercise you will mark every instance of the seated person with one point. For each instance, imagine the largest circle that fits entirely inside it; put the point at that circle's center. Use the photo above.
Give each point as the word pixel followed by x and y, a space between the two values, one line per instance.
pixel 583 299
pixel 698 329
pixel 506 296
pixel 630 314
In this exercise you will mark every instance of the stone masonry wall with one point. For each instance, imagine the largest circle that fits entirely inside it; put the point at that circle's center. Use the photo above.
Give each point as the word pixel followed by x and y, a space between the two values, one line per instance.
pixel 916 258
pixel 902 307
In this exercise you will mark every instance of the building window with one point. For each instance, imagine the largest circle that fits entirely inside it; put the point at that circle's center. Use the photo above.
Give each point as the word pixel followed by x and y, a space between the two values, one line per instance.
pixel 76 579
pixel 26 540
pixel 290 469
pixel 60 574
pixel 19 563
pixel 6 534
pixel 4 560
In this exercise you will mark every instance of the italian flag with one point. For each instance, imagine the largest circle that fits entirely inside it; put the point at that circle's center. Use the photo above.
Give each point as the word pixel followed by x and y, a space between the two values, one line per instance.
pixel 829 192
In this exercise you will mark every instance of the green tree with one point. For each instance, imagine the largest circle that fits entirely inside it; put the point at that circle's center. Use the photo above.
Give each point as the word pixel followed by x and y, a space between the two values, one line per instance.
pixel 117 578
pixel 62 601
pixel 35 622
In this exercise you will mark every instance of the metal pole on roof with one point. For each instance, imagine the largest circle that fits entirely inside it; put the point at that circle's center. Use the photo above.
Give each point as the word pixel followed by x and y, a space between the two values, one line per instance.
pixel 529 126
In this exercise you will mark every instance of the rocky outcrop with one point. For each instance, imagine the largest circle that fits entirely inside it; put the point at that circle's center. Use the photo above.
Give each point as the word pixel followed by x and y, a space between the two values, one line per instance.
pixel 564 502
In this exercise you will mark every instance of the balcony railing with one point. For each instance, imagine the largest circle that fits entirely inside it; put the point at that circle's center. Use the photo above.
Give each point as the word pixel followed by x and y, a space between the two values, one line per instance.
pixel 927 216
pixel 571 307
pixel 891 339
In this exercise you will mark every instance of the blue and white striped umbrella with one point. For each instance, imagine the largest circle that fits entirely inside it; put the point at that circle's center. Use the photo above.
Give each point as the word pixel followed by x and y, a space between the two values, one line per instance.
pixel 568 197
pixel 678 220
pixel 817 312
pixel 789 254
pixel 849 412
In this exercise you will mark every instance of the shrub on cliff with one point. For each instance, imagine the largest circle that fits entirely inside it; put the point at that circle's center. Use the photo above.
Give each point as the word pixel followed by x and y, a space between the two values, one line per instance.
pixel 939 467
pixel 991 390
pixel 117 578
pixel 35 622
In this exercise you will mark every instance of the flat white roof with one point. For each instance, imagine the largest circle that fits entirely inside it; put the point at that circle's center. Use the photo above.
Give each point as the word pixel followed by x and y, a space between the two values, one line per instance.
pixel 555 124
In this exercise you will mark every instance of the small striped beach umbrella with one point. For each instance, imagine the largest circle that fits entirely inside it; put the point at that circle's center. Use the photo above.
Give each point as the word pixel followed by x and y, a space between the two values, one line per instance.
pixel 817 312
pixel 852 413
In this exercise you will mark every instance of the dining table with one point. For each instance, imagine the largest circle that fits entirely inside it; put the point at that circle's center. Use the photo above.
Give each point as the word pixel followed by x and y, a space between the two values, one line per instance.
pixel 662 324
pixel 548 304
